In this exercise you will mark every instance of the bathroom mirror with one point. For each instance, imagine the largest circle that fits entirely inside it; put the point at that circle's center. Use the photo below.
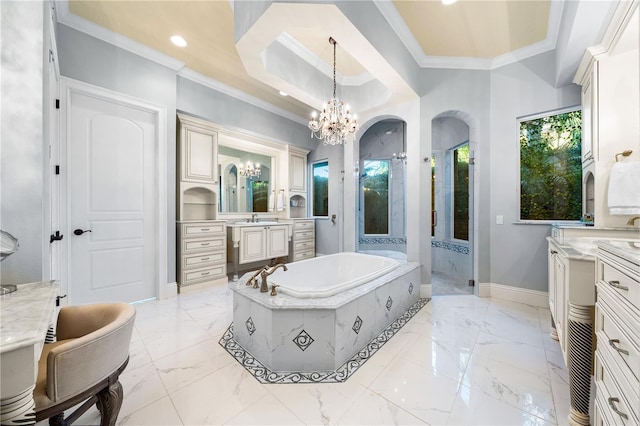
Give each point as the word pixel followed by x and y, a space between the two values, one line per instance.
pixel 246 180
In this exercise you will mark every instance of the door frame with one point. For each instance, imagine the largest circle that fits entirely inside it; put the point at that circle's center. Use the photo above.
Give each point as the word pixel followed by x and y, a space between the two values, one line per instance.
pixel 69 86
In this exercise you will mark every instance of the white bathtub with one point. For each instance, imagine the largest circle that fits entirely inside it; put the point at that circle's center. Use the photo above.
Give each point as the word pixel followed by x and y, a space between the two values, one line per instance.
pixel 326 276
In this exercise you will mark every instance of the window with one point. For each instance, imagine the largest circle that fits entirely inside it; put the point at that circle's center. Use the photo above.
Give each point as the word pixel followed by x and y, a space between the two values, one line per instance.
pixel 461 192
pixel 375 185
pixel 551 167
pixel 320 189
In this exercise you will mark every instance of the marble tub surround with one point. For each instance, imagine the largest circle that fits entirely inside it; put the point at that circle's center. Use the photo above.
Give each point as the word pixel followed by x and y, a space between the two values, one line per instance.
pixel 423 375
pixel 290 334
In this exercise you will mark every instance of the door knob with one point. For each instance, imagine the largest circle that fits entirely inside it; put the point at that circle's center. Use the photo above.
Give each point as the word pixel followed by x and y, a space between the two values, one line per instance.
pixel 80 231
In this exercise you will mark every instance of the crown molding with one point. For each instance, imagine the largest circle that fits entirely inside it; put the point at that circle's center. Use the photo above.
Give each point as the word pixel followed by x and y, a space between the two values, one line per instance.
pixel 74 21
pixel 203 80
pixel 398 24
pixel 315 61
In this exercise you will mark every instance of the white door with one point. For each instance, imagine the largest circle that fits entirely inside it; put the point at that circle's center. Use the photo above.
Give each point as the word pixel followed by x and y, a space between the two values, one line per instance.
pixel 111 197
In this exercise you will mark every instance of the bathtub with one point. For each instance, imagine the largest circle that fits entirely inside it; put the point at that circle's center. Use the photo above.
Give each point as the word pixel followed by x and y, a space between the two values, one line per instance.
pixel 327 309
pixel 329 275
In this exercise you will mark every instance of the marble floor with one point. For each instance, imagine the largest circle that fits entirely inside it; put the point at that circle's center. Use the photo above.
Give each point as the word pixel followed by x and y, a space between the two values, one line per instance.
pixel 443 284
pixel 460 360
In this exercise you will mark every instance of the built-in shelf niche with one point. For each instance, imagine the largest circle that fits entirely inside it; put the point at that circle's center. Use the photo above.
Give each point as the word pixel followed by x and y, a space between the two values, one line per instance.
pixel 298 206
pixel 589 193
pixel 198 203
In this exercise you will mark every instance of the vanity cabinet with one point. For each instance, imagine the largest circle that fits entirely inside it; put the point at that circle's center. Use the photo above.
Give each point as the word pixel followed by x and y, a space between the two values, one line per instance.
pixel 557 301
pixel 297 170
pixel 202 253
pixel 617 360
pixel 303 239
pixel 263 242
pixel 590 114
pixel 198 154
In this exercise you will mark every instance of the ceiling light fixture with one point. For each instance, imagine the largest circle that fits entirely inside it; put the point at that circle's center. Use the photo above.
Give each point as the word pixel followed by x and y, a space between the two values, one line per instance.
pixel 249 171
pixel 283 93
pixel 336 122
pixel 178 41
pixel 448 2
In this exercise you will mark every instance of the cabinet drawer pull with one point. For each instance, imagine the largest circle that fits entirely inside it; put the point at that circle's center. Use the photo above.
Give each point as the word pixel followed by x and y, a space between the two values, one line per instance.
pixel 616 284
pixel 204 244
pixel 554 252
pixel 612 343
pixel 612 403
pixel 204 229
pixel 205 258
pixel 204 273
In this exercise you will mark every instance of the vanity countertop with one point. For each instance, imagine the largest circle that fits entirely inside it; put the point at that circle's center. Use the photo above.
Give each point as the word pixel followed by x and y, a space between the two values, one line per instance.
pixel 625 249
pixel 25 314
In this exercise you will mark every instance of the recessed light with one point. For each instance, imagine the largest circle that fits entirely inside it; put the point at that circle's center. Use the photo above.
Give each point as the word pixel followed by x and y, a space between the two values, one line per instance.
pixel 178 41
pixel 448 2
pixel 283 93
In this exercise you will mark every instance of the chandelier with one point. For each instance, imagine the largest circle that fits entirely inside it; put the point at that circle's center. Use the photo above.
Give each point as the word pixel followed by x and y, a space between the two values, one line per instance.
pixel 335 123
pixel 250 170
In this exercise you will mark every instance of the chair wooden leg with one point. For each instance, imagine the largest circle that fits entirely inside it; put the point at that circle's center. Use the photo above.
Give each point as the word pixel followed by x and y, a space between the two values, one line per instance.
pixel 109 403
pixel 57 420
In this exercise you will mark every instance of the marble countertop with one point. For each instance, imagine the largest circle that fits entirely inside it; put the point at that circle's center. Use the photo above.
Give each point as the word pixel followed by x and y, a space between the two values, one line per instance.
pixel 628 250
pixel 577 248
pixel 283 301
pixel 582 225
pixel 25 314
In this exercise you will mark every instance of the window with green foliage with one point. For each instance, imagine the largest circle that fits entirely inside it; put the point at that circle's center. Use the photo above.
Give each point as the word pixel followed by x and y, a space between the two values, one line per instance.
pixel 551 167
pixel 461 192
pixel 320 189
pixel 375 185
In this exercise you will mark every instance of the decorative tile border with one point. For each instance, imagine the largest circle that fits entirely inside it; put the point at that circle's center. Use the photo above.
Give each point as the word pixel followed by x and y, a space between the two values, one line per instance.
pixel 447 245
pixel 266 376
pixel 382 240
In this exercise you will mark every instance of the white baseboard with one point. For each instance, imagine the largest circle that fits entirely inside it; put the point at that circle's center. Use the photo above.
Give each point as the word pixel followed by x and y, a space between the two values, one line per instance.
pixel 170 290
pixel 514 294
pixel 425 290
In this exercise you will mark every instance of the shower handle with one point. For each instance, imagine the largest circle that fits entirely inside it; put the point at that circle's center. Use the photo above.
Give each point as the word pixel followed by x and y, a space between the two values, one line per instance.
pixel 434 217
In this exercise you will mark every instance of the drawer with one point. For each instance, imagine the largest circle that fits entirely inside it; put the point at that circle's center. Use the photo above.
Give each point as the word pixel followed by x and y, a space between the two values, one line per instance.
pixel 303 254
pixel 303 224
pixel 627 287
pixel 304 245
pixel 202 229
pixel 611 397
pixel 197 260
pixel 305 234
pixel 618 342
pixel 203 274
pixel 195 245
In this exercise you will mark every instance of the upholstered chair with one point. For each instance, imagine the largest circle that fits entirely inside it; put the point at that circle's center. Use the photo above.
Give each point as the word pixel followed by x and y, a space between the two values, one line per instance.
pixel 84 364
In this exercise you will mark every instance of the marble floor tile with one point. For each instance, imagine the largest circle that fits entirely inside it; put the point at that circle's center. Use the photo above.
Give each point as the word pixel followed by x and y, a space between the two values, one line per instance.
pixel 516 387
pixel 188 365
pixel 417 390
pixel 474 407
pixel 266 411
pixel 218 397
pixel 372 409
pixel 459 360
pixel 318 404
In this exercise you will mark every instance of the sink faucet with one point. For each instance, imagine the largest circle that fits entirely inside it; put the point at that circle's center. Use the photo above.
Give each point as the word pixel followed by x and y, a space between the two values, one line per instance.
pixel 265 273
pixel 254 218
pixel 631 222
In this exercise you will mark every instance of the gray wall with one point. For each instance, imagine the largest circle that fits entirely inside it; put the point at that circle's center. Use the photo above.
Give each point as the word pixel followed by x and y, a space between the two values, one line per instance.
pixel 22 148
pixel 519 252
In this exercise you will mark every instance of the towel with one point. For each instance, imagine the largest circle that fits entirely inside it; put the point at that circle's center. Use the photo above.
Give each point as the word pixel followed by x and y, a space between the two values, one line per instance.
pixel 280 202
pixel 624 188
pixel 272 200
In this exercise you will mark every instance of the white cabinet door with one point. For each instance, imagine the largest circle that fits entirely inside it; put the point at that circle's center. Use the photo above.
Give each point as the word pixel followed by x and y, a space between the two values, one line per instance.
pixel 199 154
pixel 277 241
pixel 297 172
pixel 253 244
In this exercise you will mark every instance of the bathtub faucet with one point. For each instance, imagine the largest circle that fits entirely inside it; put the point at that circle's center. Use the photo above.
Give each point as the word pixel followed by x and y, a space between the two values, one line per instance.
pixel 265 273
pixel 254 278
